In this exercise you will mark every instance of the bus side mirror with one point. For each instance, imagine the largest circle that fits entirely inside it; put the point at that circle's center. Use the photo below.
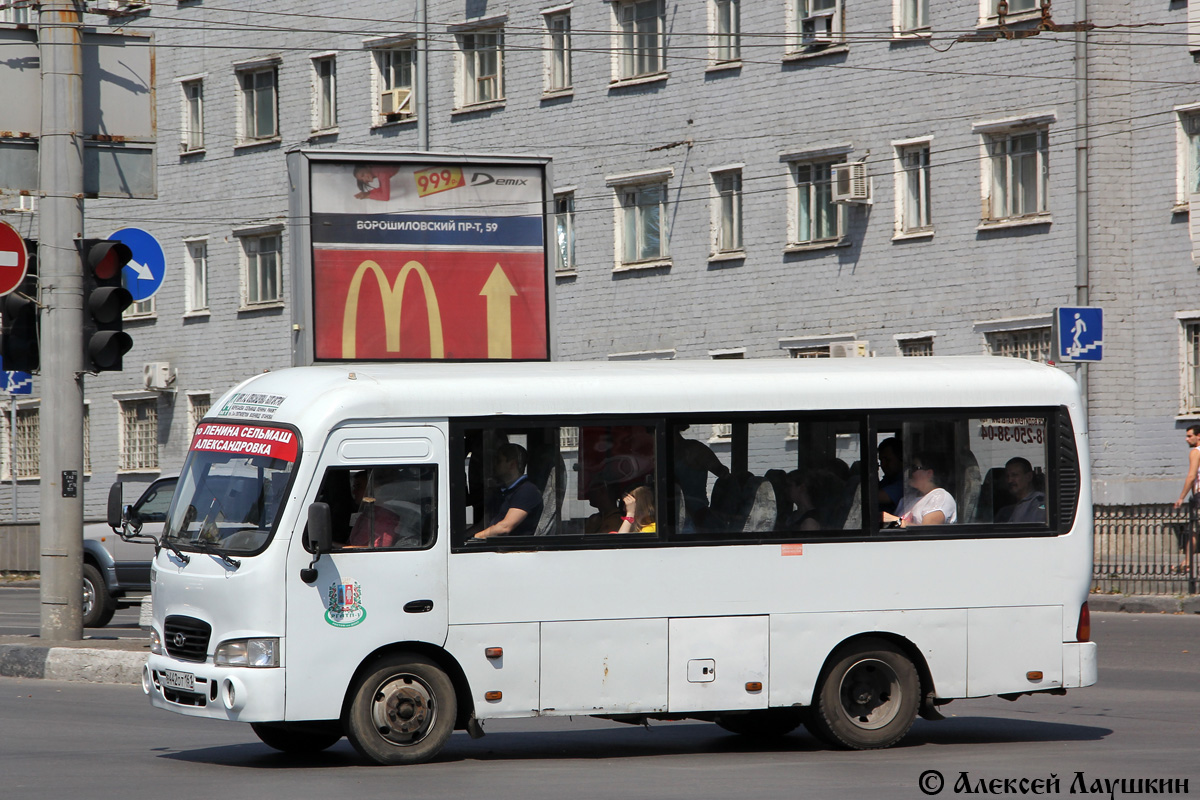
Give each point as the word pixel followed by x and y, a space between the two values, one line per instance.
pixel 320 536
pixel 115 511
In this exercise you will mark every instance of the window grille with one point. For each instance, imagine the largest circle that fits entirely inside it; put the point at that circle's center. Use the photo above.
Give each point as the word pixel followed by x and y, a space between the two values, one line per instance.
pixel 139 434
pixel 917 347
pixel 1032 344
pixel 27 463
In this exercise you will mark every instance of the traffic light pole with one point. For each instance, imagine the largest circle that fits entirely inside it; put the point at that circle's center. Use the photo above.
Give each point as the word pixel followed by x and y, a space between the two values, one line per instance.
pixel 60 226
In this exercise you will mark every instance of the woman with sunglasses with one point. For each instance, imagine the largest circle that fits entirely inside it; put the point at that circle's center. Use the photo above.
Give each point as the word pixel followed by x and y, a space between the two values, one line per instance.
pixel 929 503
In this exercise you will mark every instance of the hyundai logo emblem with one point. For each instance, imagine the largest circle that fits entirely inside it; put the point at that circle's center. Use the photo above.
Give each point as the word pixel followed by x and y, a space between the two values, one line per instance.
pixel 179 640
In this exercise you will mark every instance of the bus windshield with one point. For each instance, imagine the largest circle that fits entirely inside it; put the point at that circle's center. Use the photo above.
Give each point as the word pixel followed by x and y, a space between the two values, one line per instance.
pixel 232 488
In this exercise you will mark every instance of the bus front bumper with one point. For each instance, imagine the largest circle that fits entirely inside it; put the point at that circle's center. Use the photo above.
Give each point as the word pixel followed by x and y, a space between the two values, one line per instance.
pixel 240 694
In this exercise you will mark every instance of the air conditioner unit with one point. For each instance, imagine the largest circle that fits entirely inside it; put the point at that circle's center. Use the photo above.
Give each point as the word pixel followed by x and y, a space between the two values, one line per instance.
pixel 817 29
pixel 395 101
pixel 857 349
pixel 159 376
pixel 851 184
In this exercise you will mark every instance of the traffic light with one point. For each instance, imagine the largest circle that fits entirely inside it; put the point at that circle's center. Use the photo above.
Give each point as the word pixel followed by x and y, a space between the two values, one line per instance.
pixel 19 337
pixel 105 298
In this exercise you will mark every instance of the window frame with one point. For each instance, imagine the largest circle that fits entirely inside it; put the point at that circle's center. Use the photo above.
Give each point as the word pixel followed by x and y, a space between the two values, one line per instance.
pixel 725 24
pixel 472 63
pixel 325 106
pixel 250 263
pixel 558 77
pixel 906 176
pixel 630 220
pixel 727 215
pixel 915 12
pixel 638 54
pixel 1001 177
pixel 129 460
pixel 800 40
pixel 249 97
pixel 192 115
pixel 1189 344
pixel 1187 169
pixel 196 268
pixel 564 232
pixel 869 425
pixel 808 193
pixel 1017 334
pixel 389 66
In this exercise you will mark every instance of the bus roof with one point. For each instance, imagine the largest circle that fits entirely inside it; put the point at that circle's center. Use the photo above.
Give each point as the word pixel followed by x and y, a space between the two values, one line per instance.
pixel 320 397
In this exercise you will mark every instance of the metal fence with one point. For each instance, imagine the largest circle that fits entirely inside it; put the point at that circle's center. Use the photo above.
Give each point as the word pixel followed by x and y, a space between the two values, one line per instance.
pixel 1145 549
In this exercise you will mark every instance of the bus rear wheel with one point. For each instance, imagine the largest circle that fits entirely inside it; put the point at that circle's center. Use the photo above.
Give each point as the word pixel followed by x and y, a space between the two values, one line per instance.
pixel 298 738
pixel 403 711
pixel 868 699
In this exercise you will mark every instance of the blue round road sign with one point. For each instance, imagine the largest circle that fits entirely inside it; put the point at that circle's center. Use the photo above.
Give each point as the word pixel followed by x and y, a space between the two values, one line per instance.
pixel 144 273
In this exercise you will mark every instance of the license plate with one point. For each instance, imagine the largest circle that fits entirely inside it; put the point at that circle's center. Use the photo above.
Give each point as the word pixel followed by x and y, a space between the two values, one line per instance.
pixel 179 680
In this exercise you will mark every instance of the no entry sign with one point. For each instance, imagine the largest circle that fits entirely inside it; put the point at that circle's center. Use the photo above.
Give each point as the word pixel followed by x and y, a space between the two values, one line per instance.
pixel 14 258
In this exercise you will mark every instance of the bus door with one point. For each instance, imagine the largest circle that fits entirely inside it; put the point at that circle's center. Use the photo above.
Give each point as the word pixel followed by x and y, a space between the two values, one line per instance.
pixel 385 580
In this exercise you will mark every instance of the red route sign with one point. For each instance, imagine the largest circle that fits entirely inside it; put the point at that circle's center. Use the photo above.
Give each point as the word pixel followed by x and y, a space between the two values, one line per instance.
pixel 246 440
pixel 14 258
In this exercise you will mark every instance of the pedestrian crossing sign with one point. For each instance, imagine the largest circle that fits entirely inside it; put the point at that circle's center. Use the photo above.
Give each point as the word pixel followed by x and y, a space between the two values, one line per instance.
pixel 1078 333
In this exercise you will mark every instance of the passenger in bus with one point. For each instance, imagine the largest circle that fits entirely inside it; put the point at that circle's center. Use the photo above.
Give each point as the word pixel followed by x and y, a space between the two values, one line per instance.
pixel 814 492
pixel 377 524
pixel 607 517
pixel 639 511
pixel 694 461
pixel 1031 502
pixel 891 479
pixel 520 505
pixel 929 503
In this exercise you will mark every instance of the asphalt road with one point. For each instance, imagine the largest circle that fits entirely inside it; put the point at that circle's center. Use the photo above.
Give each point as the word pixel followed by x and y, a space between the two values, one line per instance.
pixel 1140 721
pixel 20 615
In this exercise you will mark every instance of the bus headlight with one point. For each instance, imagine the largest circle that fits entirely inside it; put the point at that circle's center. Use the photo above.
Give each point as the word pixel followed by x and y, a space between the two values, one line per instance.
pixel 155 642
pixel 247 653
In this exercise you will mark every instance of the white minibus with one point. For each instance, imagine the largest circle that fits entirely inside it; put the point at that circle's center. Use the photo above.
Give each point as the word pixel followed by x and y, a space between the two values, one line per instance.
pixel 394 552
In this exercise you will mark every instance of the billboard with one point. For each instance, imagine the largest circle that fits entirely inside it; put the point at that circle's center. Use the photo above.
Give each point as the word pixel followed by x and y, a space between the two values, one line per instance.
pixel 414 257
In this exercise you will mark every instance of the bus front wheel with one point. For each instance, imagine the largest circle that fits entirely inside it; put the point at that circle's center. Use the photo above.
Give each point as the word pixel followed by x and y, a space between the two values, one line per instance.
pixel 868 699
pixel 403 711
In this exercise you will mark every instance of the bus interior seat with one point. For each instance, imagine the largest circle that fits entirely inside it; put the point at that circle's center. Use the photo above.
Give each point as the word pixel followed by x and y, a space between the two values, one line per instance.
pixel 683 520
pixel 783 502
pixel 762 507
pixel 547 471
pixel 993 495
pixel 853 519
pixel 967 484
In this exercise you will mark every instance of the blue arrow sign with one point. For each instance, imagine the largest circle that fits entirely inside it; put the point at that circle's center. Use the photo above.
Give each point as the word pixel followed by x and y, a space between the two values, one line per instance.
pixel 144 273
pixel 16 382
pixel 1079 333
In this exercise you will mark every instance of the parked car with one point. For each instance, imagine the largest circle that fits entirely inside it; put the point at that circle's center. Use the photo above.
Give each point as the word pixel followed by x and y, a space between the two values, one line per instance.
pixel 116 572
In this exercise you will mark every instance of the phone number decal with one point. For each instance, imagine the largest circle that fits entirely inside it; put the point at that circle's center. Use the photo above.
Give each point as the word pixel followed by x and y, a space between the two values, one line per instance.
pixel 1010 433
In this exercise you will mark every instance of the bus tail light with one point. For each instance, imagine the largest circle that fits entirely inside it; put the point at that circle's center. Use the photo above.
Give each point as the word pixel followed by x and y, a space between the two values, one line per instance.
pixel 1083 632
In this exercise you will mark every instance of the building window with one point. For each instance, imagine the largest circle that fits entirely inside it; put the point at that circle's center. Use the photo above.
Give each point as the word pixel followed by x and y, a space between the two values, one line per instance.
pixel 139 434
pixel 728 187
pixel 815 351
pixel 27 445
pixel 87 439
pixel 558 51
pixel 262 257
pixel 919 346
pixel 727 30
pixel 1014 6
pixel 324 93
pixel 482 60
pixel 564 231
pixel 1188 180
pixel 193 115
pixel 643 219
pixel 815 23
pixel 397 69
pixel 19 12
pixel 142 308
pixel 197 276
pixel 641 50
pixel 817 218
pixel 1019 166
pixel 914 192
pixel 259 117
pixel 198 406
pixel 1032 344
pixel 912 15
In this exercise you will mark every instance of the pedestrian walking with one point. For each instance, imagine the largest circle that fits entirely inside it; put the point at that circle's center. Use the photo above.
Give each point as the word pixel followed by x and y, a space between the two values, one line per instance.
pixel 1191 484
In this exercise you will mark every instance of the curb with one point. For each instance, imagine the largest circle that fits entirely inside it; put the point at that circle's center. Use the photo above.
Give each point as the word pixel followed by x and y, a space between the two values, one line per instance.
pixel 84 664
pixel 1145 603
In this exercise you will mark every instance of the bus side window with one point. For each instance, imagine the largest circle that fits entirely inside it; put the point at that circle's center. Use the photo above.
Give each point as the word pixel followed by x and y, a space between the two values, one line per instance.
pixel 381 508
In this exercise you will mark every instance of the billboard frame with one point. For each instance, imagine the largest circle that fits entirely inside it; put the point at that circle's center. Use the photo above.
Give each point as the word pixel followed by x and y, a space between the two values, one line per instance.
pixel 300 162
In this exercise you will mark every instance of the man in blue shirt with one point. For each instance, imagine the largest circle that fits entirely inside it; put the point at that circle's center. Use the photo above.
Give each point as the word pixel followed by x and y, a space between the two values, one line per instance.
pixel 520 501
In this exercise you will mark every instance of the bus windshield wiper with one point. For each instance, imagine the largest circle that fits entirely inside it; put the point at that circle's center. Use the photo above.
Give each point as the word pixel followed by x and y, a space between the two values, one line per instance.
pixel 167 543
pixel 208 549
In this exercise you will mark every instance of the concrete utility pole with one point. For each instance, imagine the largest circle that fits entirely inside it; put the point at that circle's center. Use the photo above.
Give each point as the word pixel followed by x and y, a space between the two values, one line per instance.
pixel 60 275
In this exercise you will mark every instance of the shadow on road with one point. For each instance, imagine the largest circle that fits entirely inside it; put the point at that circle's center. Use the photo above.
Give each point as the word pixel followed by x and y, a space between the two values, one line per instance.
pixel 658 740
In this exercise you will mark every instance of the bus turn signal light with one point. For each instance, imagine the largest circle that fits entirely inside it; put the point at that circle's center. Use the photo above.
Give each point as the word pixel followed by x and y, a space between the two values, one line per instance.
pixel 493 696
pixel 494 652
pixel 753 686
pixel 1034 676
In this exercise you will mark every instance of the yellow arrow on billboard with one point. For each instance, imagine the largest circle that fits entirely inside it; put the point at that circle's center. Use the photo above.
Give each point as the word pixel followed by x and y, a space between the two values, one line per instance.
pixel 499 292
